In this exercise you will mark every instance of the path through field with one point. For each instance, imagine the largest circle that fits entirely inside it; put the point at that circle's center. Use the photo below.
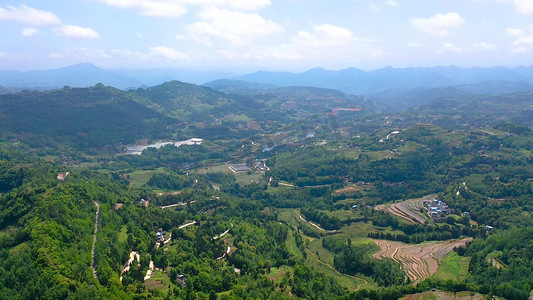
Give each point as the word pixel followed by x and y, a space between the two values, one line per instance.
pixel 364 281
pixel 419 261
pixel 315 225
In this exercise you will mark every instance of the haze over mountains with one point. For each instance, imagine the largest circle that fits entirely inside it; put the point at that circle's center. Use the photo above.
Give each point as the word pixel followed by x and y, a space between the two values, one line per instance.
pixel 351 80
pixel 396 88
pixel 85 75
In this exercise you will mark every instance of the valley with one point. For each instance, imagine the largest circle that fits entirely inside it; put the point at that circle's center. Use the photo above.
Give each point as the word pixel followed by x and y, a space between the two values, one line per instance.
pixel 269 193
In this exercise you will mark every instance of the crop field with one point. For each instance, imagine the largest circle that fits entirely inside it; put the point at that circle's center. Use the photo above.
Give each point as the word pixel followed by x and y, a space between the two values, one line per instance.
pixel 408 210
pixel 419 261
pixel 141 177
pixel 444 296
pixel 453 267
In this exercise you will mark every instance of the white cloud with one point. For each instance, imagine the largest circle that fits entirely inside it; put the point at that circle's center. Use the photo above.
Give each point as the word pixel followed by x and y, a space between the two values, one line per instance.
pixel 229 54
pixel 515 31
pixel 323 44
pixel 122 53
pixel 524 7
pixel 392 3
pixel 484 46
pixel 242 5
pixel 73 31
pixel 28 32
pixel 169 9
pixel 372 7
pixel 178 8
pixel 234 27
pixel 497 1
pixel 28 15
pixel 439 24
pixel 523 44
pixel 324 36
pixel 168 53
pixel 449 48
pixel 523 40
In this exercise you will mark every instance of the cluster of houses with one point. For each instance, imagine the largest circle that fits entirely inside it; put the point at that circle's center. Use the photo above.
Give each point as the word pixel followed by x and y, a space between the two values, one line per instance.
pixel 437 210
pixel 258 165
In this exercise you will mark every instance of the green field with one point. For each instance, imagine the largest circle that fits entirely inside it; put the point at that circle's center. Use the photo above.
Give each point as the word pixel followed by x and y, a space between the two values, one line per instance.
pixel 276 274
pixel 322 259
pixel 141 177
pixel 123 234
pixel 453 267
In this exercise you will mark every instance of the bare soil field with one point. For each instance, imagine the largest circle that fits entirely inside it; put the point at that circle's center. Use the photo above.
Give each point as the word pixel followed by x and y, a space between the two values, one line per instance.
pixel 419 261
pixel 348 189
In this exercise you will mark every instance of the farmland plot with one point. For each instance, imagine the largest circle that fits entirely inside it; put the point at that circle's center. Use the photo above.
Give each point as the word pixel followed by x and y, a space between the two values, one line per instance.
pixel 419 261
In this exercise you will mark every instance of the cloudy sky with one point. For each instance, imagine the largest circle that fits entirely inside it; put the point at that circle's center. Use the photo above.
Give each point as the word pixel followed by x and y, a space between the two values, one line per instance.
pixel 247 35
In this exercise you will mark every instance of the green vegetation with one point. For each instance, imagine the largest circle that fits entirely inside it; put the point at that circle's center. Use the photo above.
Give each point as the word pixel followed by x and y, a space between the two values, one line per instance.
pixel 305 224
pixel 453 267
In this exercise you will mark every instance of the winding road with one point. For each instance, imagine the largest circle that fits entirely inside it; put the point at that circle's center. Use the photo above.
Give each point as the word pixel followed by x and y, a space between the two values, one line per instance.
pixel 315 225
pixel 94 238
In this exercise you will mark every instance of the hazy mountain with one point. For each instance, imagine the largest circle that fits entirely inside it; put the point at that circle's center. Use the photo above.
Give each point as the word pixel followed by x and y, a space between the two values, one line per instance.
pixel 85 75
pixel 370 82
pixel 351 80
pixel 239 87
pixel 5 90
pixel 80 75
pixel 151 77
pixel 403 99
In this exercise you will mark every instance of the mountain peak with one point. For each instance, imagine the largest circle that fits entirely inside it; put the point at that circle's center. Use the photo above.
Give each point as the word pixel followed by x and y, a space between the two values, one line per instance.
pixel 316 70
pixel 81 66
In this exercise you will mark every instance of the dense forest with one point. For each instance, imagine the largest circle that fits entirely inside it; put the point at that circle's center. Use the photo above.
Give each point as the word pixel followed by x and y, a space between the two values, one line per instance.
pixel 289 195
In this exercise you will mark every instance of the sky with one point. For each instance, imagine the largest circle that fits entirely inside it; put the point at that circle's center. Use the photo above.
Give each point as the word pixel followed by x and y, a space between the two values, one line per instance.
pixel 281 35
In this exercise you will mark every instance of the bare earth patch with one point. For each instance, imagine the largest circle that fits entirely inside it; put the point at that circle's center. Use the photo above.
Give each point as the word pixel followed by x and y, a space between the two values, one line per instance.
pixel 348 189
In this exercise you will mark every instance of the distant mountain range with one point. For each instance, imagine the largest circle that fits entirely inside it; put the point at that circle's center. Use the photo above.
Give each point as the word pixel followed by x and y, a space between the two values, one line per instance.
pixel 85 75
pixel 355 81
pixel 385 84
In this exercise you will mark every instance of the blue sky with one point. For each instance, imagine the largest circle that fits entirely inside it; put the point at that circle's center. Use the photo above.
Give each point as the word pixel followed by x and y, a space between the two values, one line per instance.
pixel 247 35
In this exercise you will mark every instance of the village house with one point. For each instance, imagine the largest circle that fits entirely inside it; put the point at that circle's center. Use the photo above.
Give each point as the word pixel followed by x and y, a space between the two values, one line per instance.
pixel 437 210
pixel 160 235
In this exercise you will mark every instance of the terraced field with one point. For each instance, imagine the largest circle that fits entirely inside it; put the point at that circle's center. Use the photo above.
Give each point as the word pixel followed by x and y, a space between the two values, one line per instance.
pixel 419 261
pixel 407 210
